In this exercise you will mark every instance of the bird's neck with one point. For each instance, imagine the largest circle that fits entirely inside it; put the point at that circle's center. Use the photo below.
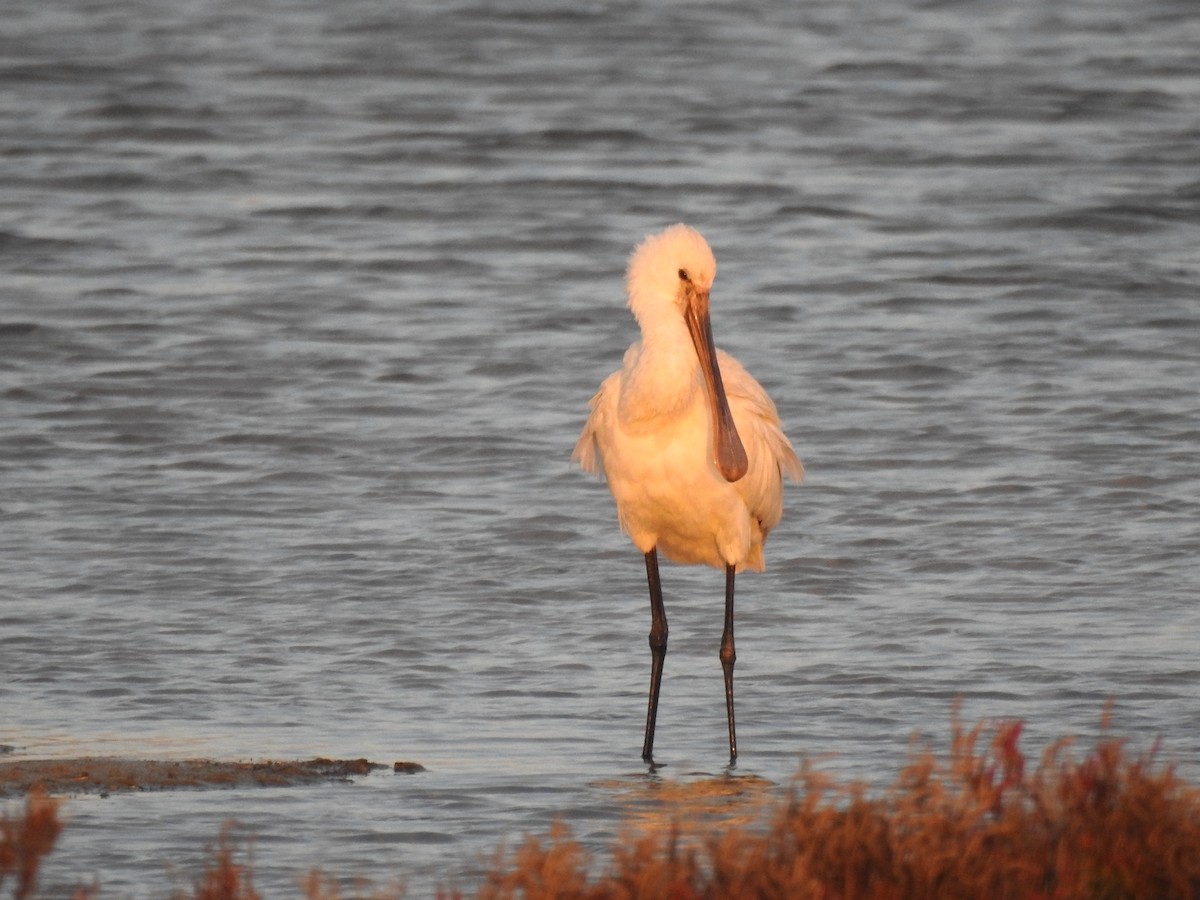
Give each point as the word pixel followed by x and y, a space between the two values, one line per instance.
pixel 664 377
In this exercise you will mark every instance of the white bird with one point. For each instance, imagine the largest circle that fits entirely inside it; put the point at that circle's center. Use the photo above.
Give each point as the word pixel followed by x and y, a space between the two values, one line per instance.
pixel 690 444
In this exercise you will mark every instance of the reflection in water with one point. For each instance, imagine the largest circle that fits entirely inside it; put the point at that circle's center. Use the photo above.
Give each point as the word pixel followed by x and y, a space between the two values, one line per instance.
pixel 691 806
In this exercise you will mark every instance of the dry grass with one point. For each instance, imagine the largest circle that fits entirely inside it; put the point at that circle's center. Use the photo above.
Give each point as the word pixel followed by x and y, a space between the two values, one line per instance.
pixel 978 823
pixel 25 839
pixel 225 878
pixel 975 825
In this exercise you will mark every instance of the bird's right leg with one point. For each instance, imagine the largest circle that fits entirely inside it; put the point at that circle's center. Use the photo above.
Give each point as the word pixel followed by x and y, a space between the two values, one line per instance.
pixel 658 648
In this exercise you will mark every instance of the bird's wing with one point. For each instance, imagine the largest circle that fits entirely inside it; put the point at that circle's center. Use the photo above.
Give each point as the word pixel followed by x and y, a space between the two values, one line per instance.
pixel 770 453
pixel 587 448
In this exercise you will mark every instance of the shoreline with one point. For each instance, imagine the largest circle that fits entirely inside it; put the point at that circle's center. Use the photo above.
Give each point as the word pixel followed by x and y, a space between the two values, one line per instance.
pixel 106 775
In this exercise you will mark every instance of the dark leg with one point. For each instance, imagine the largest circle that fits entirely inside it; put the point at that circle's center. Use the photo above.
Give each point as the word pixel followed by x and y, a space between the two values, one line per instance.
pixel 728 657
pixel 658 648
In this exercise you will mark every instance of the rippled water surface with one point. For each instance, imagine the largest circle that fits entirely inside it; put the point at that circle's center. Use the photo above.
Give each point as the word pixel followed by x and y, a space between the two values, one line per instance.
pixel 301 308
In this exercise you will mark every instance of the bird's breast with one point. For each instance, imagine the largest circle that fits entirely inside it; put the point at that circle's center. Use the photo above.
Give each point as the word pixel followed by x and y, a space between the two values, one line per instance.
pixel 668 490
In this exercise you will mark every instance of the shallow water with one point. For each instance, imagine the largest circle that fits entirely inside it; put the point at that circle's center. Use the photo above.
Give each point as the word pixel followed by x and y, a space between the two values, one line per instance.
pixel 302 306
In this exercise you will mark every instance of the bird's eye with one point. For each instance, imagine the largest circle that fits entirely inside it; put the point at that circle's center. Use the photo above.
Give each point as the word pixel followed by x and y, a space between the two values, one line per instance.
pixel 683 275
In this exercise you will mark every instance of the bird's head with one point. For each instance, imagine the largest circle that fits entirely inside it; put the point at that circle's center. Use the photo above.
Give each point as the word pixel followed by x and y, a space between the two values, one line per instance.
pixel 669 279
pixel 668 271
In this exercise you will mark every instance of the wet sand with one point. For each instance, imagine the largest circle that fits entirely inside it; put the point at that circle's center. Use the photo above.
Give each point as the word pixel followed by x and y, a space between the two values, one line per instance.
pixel 101 775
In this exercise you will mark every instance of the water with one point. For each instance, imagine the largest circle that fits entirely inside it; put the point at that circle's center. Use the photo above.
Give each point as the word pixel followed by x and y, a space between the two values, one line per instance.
pixel 302 306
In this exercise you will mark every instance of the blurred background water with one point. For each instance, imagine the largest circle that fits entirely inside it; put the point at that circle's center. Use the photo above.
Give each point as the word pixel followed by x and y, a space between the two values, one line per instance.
pixel 302 305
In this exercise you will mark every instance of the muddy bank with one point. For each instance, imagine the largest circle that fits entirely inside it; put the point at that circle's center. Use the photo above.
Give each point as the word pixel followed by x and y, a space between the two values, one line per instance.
pixel 99 775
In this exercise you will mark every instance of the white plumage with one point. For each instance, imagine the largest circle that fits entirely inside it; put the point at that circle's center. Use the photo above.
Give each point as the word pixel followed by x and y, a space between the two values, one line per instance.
pixel 651 429
pixel 690 443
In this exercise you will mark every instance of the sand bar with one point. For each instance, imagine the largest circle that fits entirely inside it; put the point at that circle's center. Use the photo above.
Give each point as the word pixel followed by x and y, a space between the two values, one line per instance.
pixel 103 775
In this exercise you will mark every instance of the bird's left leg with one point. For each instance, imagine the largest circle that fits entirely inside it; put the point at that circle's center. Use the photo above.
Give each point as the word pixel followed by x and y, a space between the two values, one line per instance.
pixel 658 649
pixel 728 657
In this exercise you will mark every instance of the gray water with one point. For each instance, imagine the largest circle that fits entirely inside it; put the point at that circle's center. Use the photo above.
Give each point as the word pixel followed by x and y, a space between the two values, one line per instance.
pixel 301 308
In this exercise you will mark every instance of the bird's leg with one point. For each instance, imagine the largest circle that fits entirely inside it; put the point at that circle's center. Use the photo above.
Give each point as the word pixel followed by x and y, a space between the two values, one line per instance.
pixel 658 648
pixel 728 657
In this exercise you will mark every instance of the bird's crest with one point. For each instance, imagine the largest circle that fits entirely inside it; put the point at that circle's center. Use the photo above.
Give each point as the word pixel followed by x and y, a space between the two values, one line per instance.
pixel 661 261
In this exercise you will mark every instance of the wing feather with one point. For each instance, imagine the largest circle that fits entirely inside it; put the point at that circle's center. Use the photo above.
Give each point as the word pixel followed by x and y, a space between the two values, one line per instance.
pixel 587 449
pixel 770 453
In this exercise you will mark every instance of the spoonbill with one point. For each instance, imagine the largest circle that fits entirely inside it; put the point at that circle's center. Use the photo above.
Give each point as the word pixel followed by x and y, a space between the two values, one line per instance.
pixel 690 444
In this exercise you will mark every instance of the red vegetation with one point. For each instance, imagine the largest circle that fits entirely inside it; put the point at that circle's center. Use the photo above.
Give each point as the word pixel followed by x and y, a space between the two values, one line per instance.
pixel 24 840
pixel 977 824
pixel 225 879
